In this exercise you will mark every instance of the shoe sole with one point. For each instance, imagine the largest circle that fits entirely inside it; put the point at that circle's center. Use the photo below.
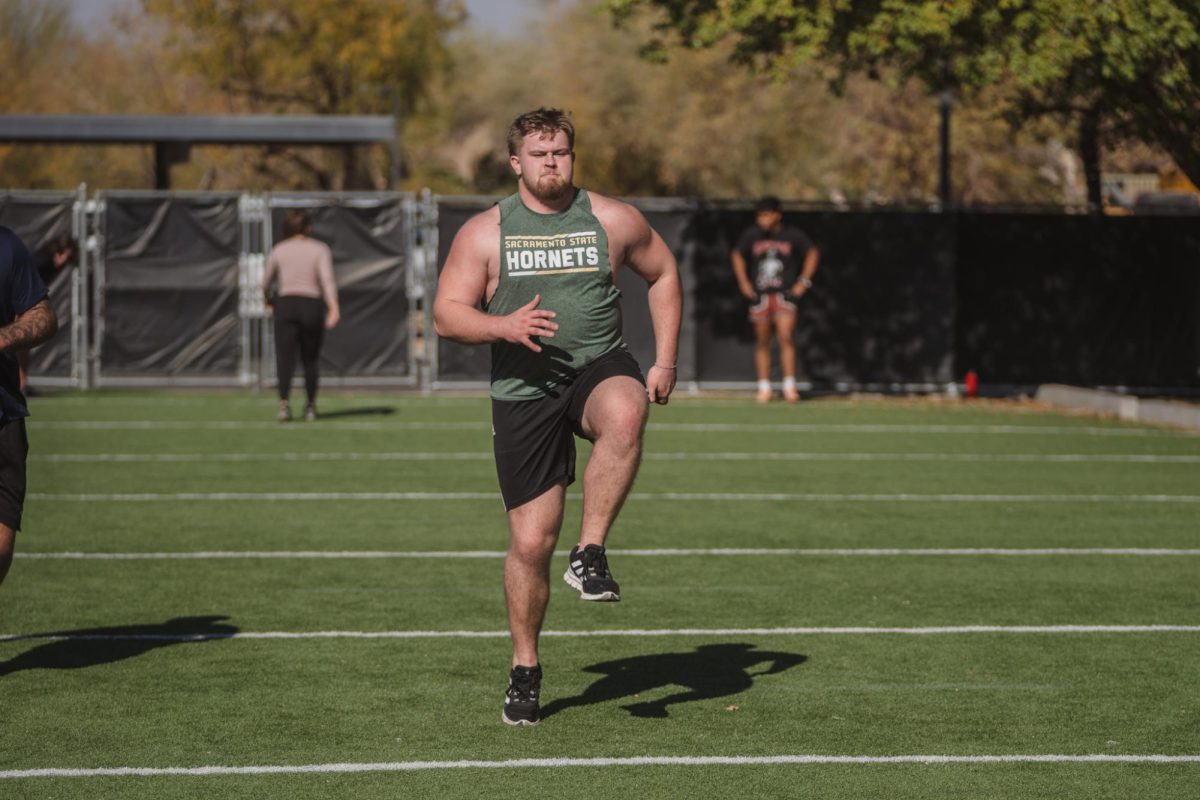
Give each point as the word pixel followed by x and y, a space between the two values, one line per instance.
pixel 577 585
pixel 518 723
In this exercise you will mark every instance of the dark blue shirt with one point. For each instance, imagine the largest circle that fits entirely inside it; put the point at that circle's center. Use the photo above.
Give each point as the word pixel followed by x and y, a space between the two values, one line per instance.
pixel 20 290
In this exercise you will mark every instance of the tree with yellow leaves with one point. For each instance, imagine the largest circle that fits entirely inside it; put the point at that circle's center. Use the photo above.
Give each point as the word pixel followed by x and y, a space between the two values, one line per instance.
pixel 312 57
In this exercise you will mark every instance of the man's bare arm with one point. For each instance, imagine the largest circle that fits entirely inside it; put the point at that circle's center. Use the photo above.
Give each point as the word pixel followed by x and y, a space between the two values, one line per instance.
pixel 806 274
pixel 655 263
pixel 647 254
pixel 34 326
pixel 463 283
pixel 742 275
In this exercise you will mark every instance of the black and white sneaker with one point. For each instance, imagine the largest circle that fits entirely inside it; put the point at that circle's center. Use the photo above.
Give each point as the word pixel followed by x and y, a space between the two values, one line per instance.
pixel 521 699
pixel 588 573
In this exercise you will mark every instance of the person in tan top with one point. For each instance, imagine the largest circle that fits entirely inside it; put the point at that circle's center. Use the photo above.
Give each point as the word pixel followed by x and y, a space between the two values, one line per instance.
pixel 305 305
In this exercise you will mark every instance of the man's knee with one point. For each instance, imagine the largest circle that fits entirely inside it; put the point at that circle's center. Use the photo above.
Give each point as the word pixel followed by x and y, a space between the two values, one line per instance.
pixel 617 409
pixel 624 423
pixel 533 548
pixel 534 527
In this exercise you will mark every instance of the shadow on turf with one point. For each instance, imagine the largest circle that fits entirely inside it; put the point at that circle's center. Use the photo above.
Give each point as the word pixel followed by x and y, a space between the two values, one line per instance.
pixel 713 670
pixel 91 647
pixel 367 411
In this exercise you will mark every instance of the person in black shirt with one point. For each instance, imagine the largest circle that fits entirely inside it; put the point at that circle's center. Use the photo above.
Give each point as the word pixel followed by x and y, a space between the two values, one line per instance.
pixel 774 265
pixel 26 318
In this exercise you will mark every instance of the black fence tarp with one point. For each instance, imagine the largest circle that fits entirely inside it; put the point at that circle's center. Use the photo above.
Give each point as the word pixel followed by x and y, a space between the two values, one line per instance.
pixel 901 300
pixel 170 286
pixel 54 357
pixel 369 244
pixel 1093 301
pixel 673 224
pixel 881 309
pixel 916 299
pixel 457 362
pixel 36 218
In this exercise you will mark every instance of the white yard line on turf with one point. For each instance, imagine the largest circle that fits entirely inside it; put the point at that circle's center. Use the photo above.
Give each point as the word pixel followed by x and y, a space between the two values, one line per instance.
pixel 235 425
pixel 1051 458
pixel 724 497
pixel 255 404
pixel 631 761
pixel 633 632
pixel 1068 458
pixel 88 458
pixel 715 551
pixel 730 427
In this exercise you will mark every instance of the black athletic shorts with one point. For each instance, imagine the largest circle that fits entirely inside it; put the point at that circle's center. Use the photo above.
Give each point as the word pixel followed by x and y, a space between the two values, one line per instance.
pixel 14 447
pixel 534 440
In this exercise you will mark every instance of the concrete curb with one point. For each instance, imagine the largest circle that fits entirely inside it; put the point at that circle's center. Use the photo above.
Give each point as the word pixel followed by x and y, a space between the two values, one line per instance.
pixel 1123 406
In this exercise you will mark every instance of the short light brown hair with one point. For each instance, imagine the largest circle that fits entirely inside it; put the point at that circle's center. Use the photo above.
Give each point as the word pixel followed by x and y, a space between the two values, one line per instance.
pixel 540 120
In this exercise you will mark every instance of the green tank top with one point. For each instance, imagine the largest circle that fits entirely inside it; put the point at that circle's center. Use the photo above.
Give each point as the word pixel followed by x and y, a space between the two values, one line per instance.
pixel 564 258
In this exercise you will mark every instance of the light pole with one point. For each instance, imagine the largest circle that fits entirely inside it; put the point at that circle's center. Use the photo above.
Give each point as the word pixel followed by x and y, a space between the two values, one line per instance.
pixel 944 103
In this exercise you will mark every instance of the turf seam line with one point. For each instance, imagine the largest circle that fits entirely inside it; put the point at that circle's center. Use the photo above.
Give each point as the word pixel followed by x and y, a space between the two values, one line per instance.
pixel 728 427
pixel 1053 458
pixel 634 632
pixel 725 497
pixel 632 761
pixel 718 551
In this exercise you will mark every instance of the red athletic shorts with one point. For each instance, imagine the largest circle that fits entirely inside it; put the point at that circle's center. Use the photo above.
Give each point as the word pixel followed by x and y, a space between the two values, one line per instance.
pixel 771 306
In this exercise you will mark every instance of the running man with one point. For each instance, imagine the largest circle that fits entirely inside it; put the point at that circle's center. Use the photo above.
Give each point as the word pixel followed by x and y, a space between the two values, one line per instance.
pixel 542 265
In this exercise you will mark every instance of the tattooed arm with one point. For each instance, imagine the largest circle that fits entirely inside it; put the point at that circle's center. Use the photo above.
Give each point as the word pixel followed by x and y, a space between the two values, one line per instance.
pixel 34 326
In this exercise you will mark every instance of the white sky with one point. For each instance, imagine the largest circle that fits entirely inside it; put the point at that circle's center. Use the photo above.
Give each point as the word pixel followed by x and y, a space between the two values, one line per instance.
pixel 501 16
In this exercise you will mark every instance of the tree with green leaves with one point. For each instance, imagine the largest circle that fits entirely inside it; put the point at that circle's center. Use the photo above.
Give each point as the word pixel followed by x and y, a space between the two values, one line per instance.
pixel 693 126
pixel 1116 69
pixel 313 57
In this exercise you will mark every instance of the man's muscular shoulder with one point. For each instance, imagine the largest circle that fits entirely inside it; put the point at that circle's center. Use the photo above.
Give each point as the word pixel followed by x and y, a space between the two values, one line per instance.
pixel 611 210
pixel 484 225
pixel 623 223
pixel 479 237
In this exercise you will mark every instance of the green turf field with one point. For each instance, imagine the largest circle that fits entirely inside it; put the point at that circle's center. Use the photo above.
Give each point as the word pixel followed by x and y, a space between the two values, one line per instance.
pixel 841 599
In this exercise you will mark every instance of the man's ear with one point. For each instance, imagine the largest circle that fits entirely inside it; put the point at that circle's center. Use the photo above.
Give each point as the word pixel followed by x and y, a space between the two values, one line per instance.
pixel 515 163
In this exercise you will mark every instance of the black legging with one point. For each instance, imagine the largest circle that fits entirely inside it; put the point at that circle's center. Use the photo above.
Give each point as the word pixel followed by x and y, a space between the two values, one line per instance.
pixel 298 321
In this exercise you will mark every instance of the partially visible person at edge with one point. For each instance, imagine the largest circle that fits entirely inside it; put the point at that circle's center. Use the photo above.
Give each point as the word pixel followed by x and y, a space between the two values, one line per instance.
pixel 49 261
pixel 774 265
pixel 52 257
pixel 305 305
pixel 542 266
pixel 26 318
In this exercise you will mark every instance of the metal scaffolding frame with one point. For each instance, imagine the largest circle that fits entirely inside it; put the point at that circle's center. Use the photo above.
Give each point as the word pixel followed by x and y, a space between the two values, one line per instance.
pixel 255 368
